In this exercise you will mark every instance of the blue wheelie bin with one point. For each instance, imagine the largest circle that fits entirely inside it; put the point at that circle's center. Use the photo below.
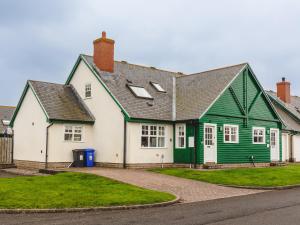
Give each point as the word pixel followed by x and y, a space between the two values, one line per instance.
pixel 89 157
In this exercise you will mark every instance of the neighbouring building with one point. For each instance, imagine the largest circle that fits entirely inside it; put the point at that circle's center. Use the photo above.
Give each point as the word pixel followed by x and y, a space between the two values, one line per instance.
pixel 139 116
pixel 6 113
pixel 288 108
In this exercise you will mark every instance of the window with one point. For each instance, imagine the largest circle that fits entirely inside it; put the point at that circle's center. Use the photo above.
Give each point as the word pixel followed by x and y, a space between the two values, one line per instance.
pixel 231 133
pixel 73 133
pixel 180 135
pixel 158 87
pixel 68 133
pixel 5 122
pixel 88 90
pixel 140 92
pixel 273 139
pixel 258 135
pixel 153 136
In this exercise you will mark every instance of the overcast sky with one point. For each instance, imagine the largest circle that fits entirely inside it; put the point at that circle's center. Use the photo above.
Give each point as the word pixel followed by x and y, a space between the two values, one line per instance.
pixel 41 40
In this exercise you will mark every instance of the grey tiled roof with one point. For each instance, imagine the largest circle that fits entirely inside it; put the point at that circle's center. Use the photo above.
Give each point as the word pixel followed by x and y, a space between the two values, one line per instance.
pixel 6 113
pixel 194 93
pixel 293 108
pixel 61 102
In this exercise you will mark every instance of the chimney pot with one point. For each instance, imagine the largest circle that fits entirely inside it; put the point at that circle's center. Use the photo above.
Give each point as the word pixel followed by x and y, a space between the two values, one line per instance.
pixel 283 90
pixel 104 53
pixel 103 34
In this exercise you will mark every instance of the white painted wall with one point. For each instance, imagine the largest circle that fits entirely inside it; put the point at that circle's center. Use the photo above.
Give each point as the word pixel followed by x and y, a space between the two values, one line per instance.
pixel 60 150
pixel 285 147
pixel 137 154
pixel 30 130
pixel 296 147
pixel 107 132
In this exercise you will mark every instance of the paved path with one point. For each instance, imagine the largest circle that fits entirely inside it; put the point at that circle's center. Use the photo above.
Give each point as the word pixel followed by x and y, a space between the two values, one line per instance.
pixel 272 207
pixel 188 190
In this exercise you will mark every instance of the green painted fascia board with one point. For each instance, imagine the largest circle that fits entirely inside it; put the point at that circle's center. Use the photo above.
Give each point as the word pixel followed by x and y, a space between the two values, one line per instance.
pixel 139 120
pixel 81 58
pixel 265 94
pixel 27 86
pixel 71 121
pixel 285 109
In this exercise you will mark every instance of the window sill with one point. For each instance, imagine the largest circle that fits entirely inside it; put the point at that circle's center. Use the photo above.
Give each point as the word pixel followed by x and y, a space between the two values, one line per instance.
pixel 86 98
pixel 258 143
pixel 155 148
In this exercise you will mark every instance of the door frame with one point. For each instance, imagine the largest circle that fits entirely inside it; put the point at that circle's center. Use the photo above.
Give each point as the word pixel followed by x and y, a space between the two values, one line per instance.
pixel 278 144
pixel 216 142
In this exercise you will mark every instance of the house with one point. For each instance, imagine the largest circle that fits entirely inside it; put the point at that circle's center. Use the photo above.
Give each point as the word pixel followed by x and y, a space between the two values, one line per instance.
pixel 139 116
pixel 6 113
pixel 288 108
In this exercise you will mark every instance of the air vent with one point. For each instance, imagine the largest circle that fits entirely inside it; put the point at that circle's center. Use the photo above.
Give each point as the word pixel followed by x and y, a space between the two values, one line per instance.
pixel 152 67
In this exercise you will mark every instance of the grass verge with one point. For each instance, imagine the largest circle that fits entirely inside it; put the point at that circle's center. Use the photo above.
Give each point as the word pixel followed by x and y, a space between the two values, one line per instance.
pixel 72 190
pixel 260 177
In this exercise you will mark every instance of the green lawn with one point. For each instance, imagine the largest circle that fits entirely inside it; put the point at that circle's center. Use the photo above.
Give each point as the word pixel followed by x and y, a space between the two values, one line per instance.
pixel 263 177
pixel 72 190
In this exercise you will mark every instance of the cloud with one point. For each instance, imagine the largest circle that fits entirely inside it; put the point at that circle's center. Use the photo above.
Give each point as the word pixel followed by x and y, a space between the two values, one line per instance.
pixel 42 39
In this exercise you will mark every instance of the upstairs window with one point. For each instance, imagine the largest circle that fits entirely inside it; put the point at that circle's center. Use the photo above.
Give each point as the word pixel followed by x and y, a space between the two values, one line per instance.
pixel 88 91
pixel 180 135
pixel 231 133
pixel 158 87
pixel 153 136
pixel 258 135
pixel 139 92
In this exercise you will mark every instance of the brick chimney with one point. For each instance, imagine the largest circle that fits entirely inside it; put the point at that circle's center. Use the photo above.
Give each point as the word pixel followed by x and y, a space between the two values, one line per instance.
pixel 104 53
pixel 283 91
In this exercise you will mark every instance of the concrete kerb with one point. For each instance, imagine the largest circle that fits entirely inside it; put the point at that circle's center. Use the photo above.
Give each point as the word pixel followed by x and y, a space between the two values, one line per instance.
pixel 109 208
pixel 262 188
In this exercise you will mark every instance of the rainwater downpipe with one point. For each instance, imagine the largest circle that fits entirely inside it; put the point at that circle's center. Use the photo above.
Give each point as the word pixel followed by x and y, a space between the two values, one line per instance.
pixel 125 144
pixel 47 145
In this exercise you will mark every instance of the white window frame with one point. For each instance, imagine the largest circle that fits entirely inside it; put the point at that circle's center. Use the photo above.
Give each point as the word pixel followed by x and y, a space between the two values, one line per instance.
pixel 158 87
pixel 73 133
pixel 264 135
pixel 85 90
pixel 180 136
pixel 230 133
pixel 136 90
pixel 157 135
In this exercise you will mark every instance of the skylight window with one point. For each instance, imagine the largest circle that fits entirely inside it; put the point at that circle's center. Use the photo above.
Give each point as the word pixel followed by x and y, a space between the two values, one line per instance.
pixel 5 122
pixel 158 87
pixel 140 92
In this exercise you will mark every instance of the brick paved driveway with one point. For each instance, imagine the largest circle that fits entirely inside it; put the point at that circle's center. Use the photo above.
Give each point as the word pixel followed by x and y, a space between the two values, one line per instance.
pixel 188 190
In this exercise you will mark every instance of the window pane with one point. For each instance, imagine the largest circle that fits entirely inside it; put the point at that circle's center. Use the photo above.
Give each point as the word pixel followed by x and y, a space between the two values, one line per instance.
pixel 145 130
pixel 233 138
pixel 152 130
pixel 227 137
pixel 88 90
pixel 77 137
pixel 161 142
pixel 153 141
pixel 140 92
pixel 145 142
pixel 68 137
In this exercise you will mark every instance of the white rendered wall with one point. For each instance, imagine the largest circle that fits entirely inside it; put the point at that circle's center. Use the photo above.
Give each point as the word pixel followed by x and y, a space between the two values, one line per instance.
pixel 30 130
pixel 296 147
pixel 137 154
pixel 107 132
pixel 285 147
pixel 60 150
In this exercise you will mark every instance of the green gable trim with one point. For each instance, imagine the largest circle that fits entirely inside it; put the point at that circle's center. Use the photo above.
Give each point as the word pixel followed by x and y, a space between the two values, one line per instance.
pixel 81 58
pixel 285 109
pixel 241 102
pixel 27 86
